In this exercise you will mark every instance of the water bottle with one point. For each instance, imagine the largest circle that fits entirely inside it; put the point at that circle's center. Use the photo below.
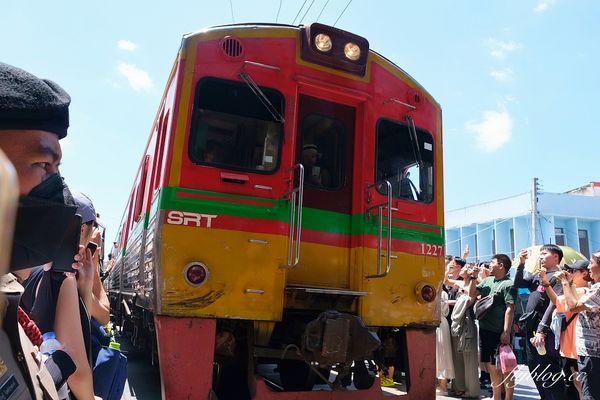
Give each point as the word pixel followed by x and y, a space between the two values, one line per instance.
pixel 540 349
pixel 49 345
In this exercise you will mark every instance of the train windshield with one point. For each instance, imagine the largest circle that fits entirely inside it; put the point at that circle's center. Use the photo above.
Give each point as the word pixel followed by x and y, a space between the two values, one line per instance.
pixel 405 158
pixel 233 129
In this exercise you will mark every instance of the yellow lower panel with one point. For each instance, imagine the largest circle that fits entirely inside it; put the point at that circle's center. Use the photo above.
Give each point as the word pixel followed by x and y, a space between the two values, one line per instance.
pixel 321 266
pixel 245 279
pixel 392 300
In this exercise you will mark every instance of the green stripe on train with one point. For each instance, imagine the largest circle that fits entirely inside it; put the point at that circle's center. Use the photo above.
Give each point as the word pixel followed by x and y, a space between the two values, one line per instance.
pixel 278 210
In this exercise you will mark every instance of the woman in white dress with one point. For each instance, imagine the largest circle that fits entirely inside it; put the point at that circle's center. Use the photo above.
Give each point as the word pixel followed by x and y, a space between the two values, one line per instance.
pixel 443 348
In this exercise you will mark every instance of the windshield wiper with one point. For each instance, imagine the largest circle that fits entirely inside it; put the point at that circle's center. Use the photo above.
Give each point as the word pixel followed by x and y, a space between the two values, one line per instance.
pixel 414 141
pixel 261 96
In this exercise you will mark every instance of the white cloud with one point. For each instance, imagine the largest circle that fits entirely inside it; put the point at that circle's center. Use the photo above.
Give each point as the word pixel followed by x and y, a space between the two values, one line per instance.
pixel 499 49
pixel 126 45
pixel 138 78
pixel 543 5
pixel 492 131
pixel 502 75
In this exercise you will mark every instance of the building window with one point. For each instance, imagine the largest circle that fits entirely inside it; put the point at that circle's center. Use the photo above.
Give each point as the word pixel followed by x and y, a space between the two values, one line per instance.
pixel 584 247
pixel 512 243
pixel 559 236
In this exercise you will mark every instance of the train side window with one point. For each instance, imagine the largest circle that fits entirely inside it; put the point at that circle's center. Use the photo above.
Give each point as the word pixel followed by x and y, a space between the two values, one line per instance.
pixel 405 162
pixel 233 129
pixel 322 152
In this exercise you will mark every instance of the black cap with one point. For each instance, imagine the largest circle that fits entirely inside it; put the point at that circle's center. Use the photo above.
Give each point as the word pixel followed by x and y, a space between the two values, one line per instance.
pixel 579 265
pixel 28 102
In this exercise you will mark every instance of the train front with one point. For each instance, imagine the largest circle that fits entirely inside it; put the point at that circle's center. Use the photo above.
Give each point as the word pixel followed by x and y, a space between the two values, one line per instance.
pixel 299 241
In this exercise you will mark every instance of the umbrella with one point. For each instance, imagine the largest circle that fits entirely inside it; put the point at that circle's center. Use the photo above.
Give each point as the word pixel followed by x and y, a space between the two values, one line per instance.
pixel 532 264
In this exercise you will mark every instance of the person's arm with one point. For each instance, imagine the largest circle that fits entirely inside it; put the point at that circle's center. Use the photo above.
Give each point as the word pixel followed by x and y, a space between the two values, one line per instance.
pixel 100 309
pixel 573 301
pixel 549 289
pixel 508 322
pixel 472 290
pixel 523 280
pixel 467 286
pixel 67 325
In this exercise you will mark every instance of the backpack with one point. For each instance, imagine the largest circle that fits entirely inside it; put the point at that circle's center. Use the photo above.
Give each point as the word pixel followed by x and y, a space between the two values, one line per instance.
pixel 110 365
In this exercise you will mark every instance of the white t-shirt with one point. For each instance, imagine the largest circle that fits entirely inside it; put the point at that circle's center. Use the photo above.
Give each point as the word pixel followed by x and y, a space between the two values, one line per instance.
pixel 588 323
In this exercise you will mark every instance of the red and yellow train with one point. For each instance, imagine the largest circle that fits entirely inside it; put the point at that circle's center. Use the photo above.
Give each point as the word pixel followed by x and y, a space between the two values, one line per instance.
pixel 288 212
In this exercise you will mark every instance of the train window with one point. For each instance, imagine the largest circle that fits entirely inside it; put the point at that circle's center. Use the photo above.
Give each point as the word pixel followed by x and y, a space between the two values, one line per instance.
pixel 233 129
pixel 322 152
pixel 405 161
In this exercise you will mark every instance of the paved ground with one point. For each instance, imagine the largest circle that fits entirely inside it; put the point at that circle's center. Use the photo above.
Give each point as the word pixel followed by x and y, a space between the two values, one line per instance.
pixel 525 389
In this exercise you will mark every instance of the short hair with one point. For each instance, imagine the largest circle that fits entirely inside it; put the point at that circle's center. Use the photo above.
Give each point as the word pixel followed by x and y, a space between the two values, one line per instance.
pixel 554 249
pixel 449 258
pixel 504 260
pixel 460 261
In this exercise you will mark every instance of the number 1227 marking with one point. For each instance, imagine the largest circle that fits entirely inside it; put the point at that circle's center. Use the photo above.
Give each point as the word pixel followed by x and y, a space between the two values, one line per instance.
pixel 432 250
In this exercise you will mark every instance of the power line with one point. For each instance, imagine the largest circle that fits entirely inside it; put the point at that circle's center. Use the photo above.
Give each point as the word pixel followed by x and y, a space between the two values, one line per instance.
pixel 343 11
pixel 294 21
pixel 231 6
pixel 322 9
pixel 279 9
pixel 307 10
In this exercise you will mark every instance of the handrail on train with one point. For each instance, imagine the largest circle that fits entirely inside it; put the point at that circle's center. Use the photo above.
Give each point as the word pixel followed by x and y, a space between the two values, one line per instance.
pixel 296 198
pixel 380 207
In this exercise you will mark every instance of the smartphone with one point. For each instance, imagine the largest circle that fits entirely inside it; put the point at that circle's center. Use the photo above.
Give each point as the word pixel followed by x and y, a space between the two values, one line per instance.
pixel 316 170
pixel 92 246
pixel 63 259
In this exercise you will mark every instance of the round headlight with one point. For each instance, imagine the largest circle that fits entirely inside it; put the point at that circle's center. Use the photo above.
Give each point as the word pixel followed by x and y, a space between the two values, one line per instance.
pixel 323 42
pixel 352 51
pixel 195 273
pixel 425 293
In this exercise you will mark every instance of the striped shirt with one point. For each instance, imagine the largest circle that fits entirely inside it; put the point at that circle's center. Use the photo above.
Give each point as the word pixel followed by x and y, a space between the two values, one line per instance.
pixel 588 324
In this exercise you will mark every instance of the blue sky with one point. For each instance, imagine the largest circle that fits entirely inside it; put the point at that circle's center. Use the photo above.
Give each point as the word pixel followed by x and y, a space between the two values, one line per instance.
pixel 517 80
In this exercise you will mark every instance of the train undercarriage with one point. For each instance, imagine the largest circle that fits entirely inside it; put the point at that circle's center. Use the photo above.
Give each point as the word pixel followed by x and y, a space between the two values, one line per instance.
pixel 307 355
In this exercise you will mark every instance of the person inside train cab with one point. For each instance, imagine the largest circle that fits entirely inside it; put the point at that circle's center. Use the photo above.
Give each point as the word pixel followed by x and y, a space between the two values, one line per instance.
pixel 314 175
pixel 213 152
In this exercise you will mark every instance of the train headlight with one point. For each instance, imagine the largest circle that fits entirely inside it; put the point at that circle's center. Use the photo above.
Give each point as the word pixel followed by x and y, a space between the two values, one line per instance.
pixel 352 51
pixel 425 293
pixel 323 42
pixel 195 273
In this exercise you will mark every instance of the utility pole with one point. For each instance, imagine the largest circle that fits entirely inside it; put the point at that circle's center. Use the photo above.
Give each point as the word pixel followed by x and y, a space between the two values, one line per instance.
pixel 534 199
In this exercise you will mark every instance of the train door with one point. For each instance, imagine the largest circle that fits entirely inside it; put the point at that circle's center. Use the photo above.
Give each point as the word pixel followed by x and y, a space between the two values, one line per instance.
pixel 325 146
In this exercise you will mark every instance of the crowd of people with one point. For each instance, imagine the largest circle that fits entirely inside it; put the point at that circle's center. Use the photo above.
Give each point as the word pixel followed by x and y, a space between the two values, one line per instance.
pixel 560 325
pixel 52 303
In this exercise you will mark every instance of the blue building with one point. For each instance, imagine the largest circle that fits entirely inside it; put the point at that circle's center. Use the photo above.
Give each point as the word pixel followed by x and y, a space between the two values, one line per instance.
pixel 513 223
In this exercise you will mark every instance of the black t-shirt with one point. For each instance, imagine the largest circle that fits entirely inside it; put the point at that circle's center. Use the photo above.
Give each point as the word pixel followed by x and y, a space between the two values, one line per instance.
pixel 40 297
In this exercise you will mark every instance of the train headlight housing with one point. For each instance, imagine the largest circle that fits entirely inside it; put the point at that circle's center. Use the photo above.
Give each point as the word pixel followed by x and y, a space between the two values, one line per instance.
pixel 352 51
pixel 323 42
pixel 334 48
pixel 425 293
pixel 195 273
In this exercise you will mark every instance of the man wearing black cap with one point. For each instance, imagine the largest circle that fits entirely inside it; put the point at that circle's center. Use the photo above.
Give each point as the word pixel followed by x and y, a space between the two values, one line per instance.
pixel 33 117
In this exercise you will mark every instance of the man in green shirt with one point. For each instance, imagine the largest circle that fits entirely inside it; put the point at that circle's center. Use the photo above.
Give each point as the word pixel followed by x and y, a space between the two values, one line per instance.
pixel 496 325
